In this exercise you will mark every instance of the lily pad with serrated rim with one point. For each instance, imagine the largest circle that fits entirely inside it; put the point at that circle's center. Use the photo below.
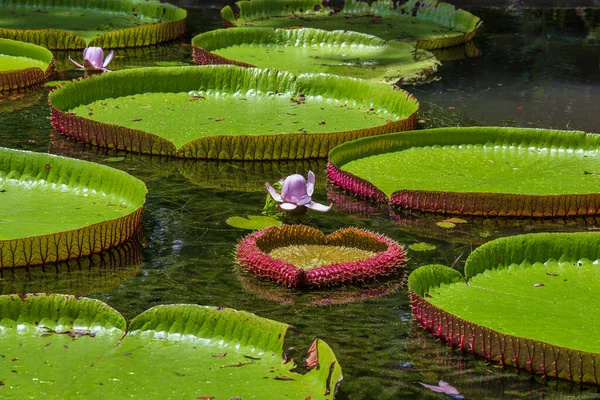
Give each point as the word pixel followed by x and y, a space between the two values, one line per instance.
pixel 227 112
pixel 429 24
pixel 195 352
pixel 76 24
pixel 482 171
pixel 298 255
pixel 23 65
pixel 315 50
pixel 529 302
pixel 54 208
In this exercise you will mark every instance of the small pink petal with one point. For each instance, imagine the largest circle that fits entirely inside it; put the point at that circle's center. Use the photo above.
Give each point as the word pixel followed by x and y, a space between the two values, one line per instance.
pixel 287 206
pixel 76 63
pixel 310 186
pixel 108 58
pixel 318 207
pixel 273 193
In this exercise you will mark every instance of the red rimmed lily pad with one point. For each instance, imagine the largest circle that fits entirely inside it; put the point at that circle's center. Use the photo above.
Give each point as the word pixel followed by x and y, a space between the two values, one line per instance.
pixel 297 255
pixel 23 65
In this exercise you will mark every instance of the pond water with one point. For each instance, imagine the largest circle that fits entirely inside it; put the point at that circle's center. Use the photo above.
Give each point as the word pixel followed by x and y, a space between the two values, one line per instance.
pixel 536 68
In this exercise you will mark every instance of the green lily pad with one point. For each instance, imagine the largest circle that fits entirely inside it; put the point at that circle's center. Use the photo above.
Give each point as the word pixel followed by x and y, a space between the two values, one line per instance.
pixel 422 246
pixel 76 24
pixel 95 273
pixel 23 64
pixel 53 84
pixel 475 171
pixel 54 208
pixel 529 302
pixel 170 64
pixel 315 50
pixel 227 112
pixel 253 222
pixel 429 24
pixel 194 351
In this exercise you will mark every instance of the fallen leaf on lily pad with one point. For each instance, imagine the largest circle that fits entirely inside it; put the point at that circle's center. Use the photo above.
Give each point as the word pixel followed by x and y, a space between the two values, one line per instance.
pixel 455 220
pixel 253 222
pixel 53 84
pixel 446 224
pixel 421 246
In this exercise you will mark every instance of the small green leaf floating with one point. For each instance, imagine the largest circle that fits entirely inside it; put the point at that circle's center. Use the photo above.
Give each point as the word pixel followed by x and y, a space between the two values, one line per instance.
pixel 171 64
pixel 422 246
pixel 195 351
pixel 531 294
pixel 114 159
pixel 253 222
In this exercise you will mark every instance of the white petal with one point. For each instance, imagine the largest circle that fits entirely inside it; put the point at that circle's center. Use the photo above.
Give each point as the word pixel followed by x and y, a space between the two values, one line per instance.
pixel 108 58
pixel 273 193
pixel 318 207
pixel 287 206
pixel 310 186
pixel 76 63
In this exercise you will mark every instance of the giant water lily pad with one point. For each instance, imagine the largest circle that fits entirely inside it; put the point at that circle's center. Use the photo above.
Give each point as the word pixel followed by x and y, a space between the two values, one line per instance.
pixel 315 50
pixel 194 352
pixel 529 302
pixel 54 208
pixel 23 64
pixel 227 112
pixel 476 171
pixel 75 24
pixel 429 24
pixel 297 255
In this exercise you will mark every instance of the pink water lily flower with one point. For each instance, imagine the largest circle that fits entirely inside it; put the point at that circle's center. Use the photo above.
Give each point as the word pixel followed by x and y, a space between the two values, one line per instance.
pixel 444 387
pixel 296 192
pixel 93 59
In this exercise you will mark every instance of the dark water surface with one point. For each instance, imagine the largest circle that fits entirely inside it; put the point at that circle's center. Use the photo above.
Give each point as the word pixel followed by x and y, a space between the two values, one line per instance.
pixel 537 68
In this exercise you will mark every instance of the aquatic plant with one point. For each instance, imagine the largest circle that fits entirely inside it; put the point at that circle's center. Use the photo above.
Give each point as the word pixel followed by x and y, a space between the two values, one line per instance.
pixel 517 306
pixel 158 111
pixel 55 208
pixel 296 192
pixel 76 24
pixel 23 65
pixel 297 255
pixel 93 59
pixel 204 351
pixel 481 171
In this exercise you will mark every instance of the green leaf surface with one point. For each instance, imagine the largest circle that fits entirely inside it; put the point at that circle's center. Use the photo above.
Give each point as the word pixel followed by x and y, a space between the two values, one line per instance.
pixel 44 198
pixel 428 23
pixel 422 246
pixel 480 162
pixel 194 352
pixel 70 24
pixel 253 222
pixel 199 112
pixel 314 50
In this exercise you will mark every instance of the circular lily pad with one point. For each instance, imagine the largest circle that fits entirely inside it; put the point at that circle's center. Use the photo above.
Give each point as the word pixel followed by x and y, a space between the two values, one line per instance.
pixel 76 24
pixel 429 24
pixel 23 65
pixel 297 255
pixel 476 171
pixel 227 112
pixel 54 208
pixel 315 50
pixel 529 302
pixel 195 352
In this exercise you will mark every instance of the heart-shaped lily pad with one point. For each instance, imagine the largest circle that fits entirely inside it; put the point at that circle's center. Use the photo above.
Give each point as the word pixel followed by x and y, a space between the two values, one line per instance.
pixel 195 352
pixel 529 302
pixel 95 273
pixel 315 50
pixel 23 65
pixel 481 171
pixel 75 24
pixel 430 24
pixel 54 208
pixel 297 255
pixel 253 222
pixel 227 112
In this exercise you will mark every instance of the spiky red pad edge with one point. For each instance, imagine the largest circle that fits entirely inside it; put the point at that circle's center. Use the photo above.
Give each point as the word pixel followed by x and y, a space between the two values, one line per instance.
pixel 353 184
pixel 69 244
pixel 24 78
pixel 219 147
pixel 534 356
pixel 499 204
pixel 252 254
pixel 204 57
